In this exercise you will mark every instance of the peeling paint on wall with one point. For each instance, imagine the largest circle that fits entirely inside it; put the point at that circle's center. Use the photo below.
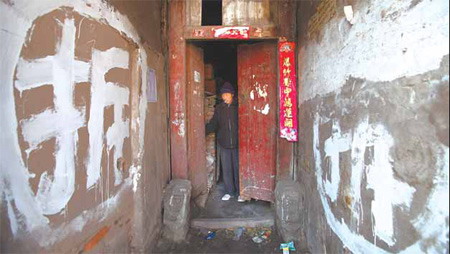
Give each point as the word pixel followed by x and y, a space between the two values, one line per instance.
pixel 418 38
pixel 264 111
pixel 179 122
pixel 260 94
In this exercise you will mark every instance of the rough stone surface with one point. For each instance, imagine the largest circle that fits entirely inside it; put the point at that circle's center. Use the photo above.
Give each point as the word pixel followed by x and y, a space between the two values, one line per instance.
pixel 177 198
pixel 288 205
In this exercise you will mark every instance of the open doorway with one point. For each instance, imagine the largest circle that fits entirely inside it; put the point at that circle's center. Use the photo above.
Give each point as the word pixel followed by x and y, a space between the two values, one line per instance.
pixel 220 60
pixel 221 63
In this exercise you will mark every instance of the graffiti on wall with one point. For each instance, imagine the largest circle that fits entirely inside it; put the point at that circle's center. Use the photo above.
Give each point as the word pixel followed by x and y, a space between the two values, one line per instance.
pixel 62 71
pixel 67 151
pixel 370 146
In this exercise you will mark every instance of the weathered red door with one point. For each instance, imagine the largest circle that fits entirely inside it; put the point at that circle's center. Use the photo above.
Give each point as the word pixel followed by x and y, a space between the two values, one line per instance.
pixel 257 83
pixel 196 123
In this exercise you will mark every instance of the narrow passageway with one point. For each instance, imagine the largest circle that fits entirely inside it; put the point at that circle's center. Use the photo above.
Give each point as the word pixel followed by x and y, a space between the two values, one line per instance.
pixel 331 127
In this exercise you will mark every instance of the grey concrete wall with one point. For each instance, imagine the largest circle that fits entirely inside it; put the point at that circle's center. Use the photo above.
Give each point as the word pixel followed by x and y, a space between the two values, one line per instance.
pixel 372 160
pixel 73 75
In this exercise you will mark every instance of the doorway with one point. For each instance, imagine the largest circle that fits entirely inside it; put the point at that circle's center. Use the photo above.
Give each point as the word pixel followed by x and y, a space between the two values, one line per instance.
pixel 251 67
pixel 220 60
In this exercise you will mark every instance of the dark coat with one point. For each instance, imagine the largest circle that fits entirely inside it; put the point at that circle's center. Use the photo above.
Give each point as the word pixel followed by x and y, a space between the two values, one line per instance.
pixel 225 124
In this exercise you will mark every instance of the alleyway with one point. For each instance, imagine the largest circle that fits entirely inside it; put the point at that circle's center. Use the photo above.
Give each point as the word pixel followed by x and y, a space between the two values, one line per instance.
pixel 224 126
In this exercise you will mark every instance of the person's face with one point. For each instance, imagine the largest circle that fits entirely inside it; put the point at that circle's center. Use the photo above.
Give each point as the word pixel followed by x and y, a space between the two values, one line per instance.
pixel 227 98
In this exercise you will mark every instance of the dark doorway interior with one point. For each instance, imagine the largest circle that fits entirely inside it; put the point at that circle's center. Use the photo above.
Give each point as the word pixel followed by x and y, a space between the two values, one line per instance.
pixel 211 12
pixel 222 56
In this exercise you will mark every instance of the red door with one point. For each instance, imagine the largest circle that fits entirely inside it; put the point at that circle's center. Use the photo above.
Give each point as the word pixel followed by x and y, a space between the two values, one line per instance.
pixel 257 83
pixel 196 123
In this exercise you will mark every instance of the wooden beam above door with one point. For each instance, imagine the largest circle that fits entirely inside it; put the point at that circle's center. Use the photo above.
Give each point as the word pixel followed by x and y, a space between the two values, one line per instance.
pixel 217 32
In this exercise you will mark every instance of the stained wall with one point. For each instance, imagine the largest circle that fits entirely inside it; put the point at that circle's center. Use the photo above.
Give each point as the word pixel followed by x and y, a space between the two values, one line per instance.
pixel 78 135
pixel 373 155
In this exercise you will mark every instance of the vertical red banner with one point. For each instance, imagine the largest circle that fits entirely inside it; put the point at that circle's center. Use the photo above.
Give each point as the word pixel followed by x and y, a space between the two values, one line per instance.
pixel 288 91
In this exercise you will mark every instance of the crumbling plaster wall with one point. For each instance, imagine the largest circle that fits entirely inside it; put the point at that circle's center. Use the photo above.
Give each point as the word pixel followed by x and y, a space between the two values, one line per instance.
pixel 84 157
pixel 373 154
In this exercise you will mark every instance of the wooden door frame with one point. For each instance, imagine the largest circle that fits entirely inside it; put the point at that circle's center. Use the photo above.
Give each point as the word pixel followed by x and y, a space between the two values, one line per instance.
pixel 284 149
pixel 179 32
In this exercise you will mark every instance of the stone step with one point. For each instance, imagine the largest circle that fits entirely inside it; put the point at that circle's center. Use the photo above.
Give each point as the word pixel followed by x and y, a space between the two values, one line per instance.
pixel 223 223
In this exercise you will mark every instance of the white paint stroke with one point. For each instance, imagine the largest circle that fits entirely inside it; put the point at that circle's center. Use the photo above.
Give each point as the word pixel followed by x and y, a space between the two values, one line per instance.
pixel 432 224
pixel 12 218
pixel 265 110
pixel 62 122
pixel 138 124
pixel 359 144
pixel 14 175
pixel 179 122
pixel 355 242
pixel 261 90
pixel 335 145
pixel 135 172
pixel 388 191
pixel 104 94
pixel 15 22
pixel 115 136
pixel 364 52
pixel 348 11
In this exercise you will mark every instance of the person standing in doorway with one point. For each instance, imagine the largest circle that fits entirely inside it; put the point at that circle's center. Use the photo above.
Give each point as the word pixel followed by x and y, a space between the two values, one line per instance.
pixel 225 124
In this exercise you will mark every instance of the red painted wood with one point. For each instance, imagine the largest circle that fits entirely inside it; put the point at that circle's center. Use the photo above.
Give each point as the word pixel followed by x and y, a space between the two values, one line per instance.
pixel 257 75
pixel 196 120
pixel 177 90
pixel 207 32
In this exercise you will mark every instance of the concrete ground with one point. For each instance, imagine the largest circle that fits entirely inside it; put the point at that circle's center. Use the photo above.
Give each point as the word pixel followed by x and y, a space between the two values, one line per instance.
pixel 222 218
pixel 225 214
pixel 216 208
pixel 223 242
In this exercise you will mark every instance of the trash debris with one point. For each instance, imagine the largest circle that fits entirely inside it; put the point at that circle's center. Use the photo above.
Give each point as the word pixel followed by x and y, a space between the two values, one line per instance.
pixel 266 234
pixel 257 239
pixel 286 247
pixel 238 233
pixel 262 236
pixel 211 235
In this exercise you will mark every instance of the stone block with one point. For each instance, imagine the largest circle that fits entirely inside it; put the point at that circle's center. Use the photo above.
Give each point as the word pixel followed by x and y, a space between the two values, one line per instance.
pixel 177 198
pixel 288 209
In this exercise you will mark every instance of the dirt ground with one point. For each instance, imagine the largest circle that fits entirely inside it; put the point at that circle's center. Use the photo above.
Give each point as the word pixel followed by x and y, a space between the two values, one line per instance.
pixel 223 242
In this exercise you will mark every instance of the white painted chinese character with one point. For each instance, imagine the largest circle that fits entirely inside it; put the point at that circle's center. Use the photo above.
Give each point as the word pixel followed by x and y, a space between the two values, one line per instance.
pixel 104 94
pixel 62 72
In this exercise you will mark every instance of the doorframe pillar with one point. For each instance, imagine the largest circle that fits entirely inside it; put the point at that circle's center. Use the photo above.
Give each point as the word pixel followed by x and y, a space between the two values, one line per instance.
pixel 177 89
